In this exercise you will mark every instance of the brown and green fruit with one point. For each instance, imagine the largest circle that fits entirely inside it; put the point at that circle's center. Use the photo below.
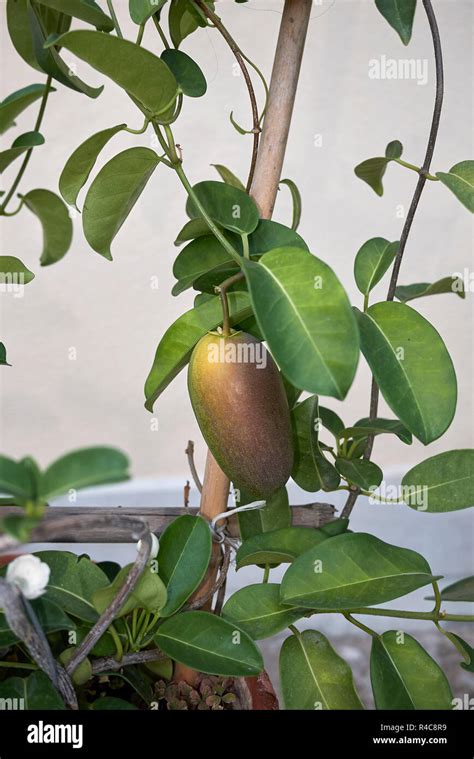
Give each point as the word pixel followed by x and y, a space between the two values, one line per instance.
pixel 240 404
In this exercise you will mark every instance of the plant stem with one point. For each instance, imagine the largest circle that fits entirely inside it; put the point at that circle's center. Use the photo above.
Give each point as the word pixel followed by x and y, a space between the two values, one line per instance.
pixel 114 18
pixel 437 596
pixel 399 613
pixel 438 104
pixel 141 29
pixel 138 131
pixel 366 301
pixel 266 573
pixel 415 168
pixel 161 32
pixel 222 291
pixel 18 665
pixel 117 641
pixel 245 245
pixel 27 157
pixel 361 626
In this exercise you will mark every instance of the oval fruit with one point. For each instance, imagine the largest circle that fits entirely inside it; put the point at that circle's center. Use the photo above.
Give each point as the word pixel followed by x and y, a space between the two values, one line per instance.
pixel 240 404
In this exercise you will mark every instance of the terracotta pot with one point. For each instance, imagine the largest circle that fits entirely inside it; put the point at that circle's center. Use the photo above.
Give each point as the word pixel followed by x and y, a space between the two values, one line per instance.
pixel 256 693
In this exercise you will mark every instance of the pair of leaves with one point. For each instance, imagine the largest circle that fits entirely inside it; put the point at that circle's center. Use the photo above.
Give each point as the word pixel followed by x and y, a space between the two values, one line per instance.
pixel 411 366
pixel 55 222
pixel 306 319
pixel 176 346
pixel 15 104
pixel 209 644
pixel 441 483
pixel 149 593
pixel 311 470
pixel 351 570
pixel 372 170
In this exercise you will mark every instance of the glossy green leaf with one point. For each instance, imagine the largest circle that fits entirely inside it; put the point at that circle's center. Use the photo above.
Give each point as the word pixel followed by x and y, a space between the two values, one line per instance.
pixel 141 10
pixel 353 570
pixel 311 470
pixel 466 650
pixel 462 590
pixel 372 261
pixel 113 704
pixel 19 31
pixel 149 593
pixel 400 15
pixel 83 468
pixel 137 679
pixel 275 515
pixel 228 177
pixel 394 149
pixel 44 22
pixel 50 616
pixel 72 582
pixel 365 427
pixel 278 546
pixel 182 21
pixel 176 345
pixel 210 644
pixel 22 143
pixel 421 289
pixel 228 206
pixel 441 483
pixel 80 164
pixel 364 474
pixel 34 692
pixel 187 73
pixel 305 315
pixel 16 478
pixel 85 10
pixel 55 221
pixel 334 527
pixel 296 198
pixel 12 270
pixel 331 421
pixel 373 169
pixel 3 355
pixel 13 105
pixel 460 180
pixel 404 676
pixel 112 195
pixel 185 551
pixel 192 229
pixel 314 676
pixel 411 366
pixel 203 255
pixel 257 609
pixel 143 75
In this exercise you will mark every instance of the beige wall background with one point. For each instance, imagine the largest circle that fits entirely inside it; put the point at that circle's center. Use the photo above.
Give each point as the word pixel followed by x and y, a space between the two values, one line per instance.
pixel 109 313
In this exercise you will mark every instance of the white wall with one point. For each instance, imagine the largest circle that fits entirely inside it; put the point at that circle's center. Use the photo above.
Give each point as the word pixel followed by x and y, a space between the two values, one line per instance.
pixel 113 318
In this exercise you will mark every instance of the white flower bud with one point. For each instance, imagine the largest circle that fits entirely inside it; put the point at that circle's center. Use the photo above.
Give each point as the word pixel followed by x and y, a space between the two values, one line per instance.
pixel 29 574
pixel 155 545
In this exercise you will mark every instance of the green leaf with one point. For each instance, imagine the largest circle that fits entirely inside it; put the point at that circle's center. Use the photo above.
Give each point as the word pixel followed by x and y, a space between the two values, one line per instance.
pixel 44 22
pixel 15 104
pixel 189 76
pixel 257 609
pixel 19 31
pixel 467 651
pixel 365 427
pixel 451 284
pixel 112 195
pixel 83 468
pixel 18 527
pixel 441 483
pixel 185 551
pixel 182 22
pixel 143 75
pixel 3 355
pixel 34 692
pixel 460 180
pixel 331 421
pixel 372 261
pixel 275 515
pixel 228 176
pixel 50 616
pixel 16 479
pixel 112 704
pixel 141 10
pixel 305 315
pixel 400 15
pixel 137 679
pixel 364 474
pixel 394 149
pixel 412 367
pixel 14 270
pixel 72 582
pixel 352 570
pixel 80 164
pixel 228 206
pixel 404 676
pixel 192 229
pixel 296 198
pixel 22 143
pixel 209 644
pixel 278 546
pixel 149 593
pixel 311 470
pixel 85 10
pixel 462 590
pixel 203 255
pixel 176 346
pixel 314 676
pixel 55 221
pixel 372 171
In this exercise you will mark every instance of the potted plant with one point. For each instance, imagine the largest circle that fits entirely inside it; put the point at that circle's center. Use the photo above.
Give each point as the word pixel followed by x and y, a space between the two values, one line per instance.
pixel 270 321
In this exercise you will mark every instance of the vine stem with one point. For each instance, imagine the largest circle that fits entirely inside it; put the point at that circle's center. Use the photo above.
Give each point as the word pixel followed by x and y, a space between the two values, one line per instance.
pixel 222 292
pixel 424 171
pixel 27 157
pixel 114 18
pixel 430 616
pixel 240 60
